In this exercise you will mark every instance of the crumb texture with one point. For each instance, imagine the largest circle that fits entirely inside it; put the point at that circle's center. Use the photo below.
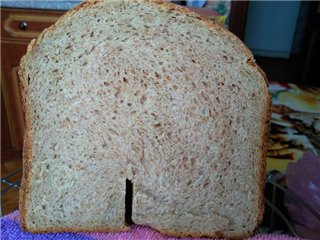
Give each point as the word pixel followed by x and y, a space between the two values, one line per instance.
pixel 133 90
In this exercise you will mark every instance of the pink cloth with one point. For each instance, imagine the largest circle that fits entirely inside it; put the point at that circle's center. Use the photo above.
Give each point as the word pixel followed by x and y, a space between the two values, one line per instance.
pixel 11 229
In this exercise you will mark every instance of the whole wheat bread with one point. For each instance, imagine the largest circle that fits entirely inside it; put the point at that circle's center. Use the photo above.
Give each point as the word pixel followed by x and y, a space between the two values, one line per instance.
pixel 147 92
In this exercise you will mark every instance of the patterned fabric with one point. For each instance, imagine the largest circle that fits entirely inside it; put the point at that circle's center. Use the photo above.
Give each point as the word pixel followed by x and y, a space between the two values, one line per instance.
pixel 295 124
pixel 11 229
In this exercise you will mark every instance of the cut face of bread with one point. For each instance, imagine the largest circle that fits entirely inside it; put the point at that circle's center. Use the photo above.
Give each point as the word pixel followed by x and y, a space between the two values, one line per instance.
pixel 149 94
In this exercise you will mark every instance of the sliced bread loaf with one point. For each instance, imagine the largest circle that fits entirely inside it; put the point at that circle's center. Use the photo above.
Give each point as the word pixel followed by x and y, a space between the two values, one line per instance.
pixel 149 93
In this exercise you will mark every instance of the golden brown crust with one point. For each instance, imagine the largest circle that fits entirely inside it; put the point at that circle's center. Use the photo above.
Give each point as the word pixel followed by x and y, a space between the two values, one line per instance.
pixel 264 143
pixel 252 62
pixel 27 142
pixel 27 151
pixel 217 234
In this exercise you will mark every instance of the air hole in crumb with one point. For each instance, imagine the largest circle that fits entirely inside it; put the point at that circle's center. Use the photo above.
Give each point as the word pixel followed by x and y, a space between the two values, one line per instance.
pixel 125 80
pixel 205 84
pixel 143 99
pixel 136 93
pixel 129 104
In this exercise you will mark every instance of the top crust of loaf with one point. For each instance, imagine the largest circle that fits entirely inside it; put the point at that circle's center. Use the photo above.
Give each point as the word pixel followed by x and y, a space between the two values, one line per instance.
pixel 27 156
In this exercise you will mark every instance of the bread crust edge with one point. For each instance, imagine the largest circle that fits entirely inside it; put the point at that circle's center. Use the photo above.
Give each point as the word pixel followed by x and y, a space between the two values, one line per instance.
pixel 27 142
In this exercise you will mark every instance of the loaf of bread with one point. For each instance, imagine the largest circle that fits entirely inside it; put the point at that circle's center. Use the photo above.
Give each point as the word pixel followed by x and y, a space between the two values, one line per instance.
pixel 148 95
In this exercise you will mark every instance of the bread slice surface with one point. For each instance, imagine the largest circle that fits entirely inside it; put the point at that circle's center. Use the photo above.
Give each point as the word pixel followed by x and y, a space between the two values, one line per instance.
pixel 150 92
